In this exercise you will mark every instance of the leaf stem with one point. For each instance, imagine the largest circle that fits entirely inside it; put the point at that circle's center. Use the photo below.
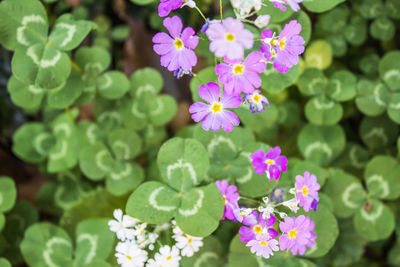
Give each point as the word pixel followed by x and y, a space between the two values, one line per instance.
pixel 220 9
pixel 75 66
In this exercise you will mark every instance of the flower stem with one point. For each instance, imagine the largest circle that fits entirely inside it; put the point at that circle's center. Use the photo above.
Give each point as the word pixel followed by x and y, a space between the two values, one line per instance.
pixel 220 9
pixel 250 199
pixel 201 13
pixel 68 111
pixel 197 77
pixel 75 66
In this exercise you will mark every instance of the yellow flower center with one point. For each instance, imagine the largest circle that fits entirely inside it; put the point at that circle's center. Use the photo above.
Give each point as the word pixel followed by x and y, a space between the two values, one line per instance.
pixel 190 240
pixel 282 43
pixel 225 200
pixel 216 107
pixel 273 53
pixel 305 191
pixel 274 42
pixel 169 258
pixel 263 243
pixel 230 37
pixel 238 69
pixel 270 162
pixel 293 233
pixel 277 192
pixel 256 98
pixel 178 44
pixel 257 229
pixel 129 257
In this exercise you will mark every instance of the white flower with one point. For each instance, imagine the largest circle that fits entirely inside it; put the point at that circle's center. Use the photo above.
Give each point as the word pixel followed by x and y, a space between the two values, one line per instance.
pixel 189 3
pixel 162 227
pixel 188 244
pixel 140 229
pixel 243 8
pixel 262 21
pixel 130 255
pixel 166 257
pixel 121 224
pixel 292 204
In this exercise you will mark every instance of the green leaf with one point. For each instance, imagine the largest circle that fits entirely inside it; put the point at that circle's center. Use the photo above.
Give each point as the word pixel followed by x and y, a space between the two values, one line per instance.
pixel 124 177
pixel 394 108
pixel 66 95
pixel 23 23
pixel 89 133
pixel 389 69
pixel 95 161
pixel 354 156
pixel 120 33
pixel 356 30
pixel 4 262
pixel 319 6
pixel 257 122
pixel 302 166
pixel 374 221
pixel 274 82
pixel 183 163
pixel 369 64
pixel 153 202
pixel 94 241
pixel 372 98
pixel 383 29
pixel 45 244
pixel 321 144
pixel 276 14
pixel 133 114
pixel 371 8
pixel 142 2
pixel 200 211
pixel 113 85
pixel 124 143
pixel 338 43
pixel 381 177
pixel 377 132
pixel 163 110
pixel 8 193
pixel 204 76
pixel 312 82
pixel 393 9
pixel 93 60
pixel 24 95
pixel 319 54
pixel 346 193
pixel 68 33
pixel 2 221
pixel 321 110
pixel 208 255
pixel 342 86
pixel 146 80
pixel 41 65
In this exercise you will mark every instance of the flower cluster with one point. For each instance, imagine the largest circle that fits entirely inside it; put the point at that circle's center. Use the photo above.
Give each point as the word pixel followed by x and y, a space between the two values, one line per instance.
pixel 271 162
pixel 237 73
pixel 136 240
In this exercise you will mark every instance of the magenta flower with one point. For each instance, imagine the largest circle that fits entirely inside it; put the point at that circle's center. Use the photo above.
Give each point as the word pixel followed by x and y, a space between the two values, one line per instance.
pixel 267 49
pixel 263 245
pixel 256 100
pixel 294 4
pixel 297 234
pixel 260 226
pixel 307 190
pixel 272 162
pixel 215 114
pixel 176 49
pixel 229 38
pixel 238 76
pixel 231 198
pixel 166 6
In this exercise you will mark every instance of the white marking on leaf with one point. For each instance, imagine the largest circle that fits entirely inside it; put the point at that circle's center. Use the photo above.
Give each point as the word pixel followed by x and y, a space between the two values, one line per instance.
pixel 325 106
pixel 392 74
pixel 369 216
pixel 384 185
pixel 377 132
pixel 312 249
pixel 218 140
pixel 313 83
pixel 181 164
pixel 145 88
pixel 25 21
pixel 99 160
pixel 153 202
pixel 378 100
pixel 90 134
pixel 57 197
pixel 354 160
pixel 347 193
pixel 160 107
pixel 317 58
pixel 107 83
pixel 71 29
pixel 245 178
pixel 93 65
pixel 110 114
pixel 203 258
pixel 318 146
pixel 338 86
pixel 43 63
pixel 49 249
pixel 135 111
pixel 196 206
pixel 35 90
pixel 63 127
pixel 92 239
pixel 61 153
pixel 395 106
pixel 123 146
pixel 37 143
pixel 124 173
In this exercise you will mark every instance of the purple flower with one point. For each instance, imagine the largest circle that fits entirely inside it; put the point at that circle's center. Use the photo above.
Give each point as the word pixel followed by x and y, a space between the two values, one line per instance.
pixel 263 245
pixel 307 190
pixel 314 205
pixel 176 49
pixel 279 5
pixel 238 76
pixel 256 100
pixel 294 4
pixel 229 38
pixel 204 28
pixel 215 114
pixel 256 227
pixel 166 6
pixel 268 49
pixel 297 234
pixel 231 198
pixel 277 194
pixel 272 162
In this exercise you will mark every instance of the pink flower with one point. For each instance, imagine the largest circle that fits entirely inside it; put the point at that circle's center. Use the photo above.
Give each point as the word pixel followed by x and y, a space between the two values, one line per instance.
pixel 297 234
pixel 263 245
pixel 231 198
pixel 307 190
pixel 238 76
pixel 260 226
pixel 215 114
pixel 166 6
pixel 294 4
pixel 229 38
pixel 176 49
pixel 256 101
pixel 272 162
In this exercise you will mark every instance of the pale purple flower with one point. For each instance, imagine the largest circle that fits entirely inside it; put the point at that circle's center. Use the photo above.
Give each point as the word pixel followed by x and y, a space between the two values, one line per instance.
pixel 307 190
pixel 215 115
pixel 297 234
pixel 204 28
pixel 267 36
pixel 255 227
pixel 176 49
pixel 263 245
pixel 271 162
pixel 277 194
pixel 243 214
pixel 231 197
pixel 256 101
pixel 229 38
pixel 238 76
pixel 166 6
pixel 294 4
